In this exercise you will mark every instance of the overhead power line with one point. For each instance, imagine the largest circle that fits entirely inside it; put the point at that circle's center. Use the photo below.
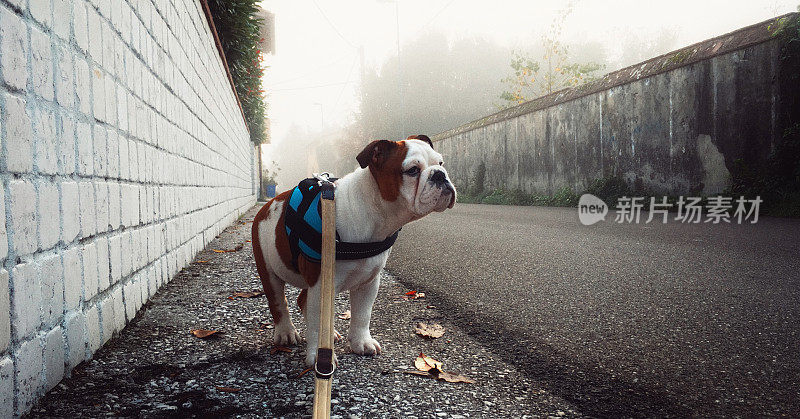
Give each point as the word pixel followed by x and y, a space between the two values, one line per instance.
pixel 349 74
pixel 310 72
pixel 333 26
pixel 438 13
pixel 310 87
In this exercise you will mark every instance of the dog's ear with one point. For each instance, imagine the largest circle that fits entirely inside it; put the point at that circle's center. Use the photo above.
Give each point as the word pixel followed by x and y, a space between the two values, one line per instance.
pixel 422 137
pixel 374 153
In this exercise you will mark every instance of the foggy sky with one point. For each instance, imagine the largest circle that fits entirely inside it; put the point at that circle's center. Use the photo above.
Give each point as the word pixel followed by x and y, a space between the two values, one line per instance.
pixel 321 50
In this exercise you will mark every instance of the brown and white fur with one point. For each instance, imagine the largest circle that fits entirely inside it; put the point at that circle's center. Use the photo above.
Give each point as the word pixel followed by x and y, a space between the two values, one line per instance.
pixel 371 203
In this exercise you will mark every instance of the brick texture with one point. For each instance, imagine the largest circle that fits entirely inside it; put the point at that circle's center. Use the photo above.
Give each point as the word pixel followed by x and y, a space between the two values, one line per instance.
pixel 123 150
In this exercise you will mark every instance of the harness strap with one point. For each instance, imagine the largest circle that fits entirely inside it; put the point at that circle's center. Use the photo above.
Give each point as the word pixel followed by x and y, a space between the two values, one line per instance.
pixel 351 251
pixel 303 226
pixel 301 230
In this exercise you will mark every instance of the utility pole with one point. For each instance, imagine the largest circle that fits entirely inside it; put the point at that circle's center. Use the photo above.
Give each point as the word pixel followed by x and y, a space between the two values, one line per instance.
pixel 400 72
pixel 399 66
pixel 361 62
pixel 321 119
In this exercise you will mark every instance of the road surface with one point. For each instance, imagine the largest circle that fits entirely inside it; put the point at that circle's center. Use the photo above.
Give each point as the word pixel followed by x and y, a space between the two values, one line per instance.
pixel 621 319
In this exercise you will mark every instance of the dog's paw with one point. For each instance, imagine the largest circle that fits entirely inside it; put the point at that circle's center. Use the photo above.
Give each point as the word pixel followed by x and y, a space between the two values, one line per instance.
pixel 286 336
pixel 365 346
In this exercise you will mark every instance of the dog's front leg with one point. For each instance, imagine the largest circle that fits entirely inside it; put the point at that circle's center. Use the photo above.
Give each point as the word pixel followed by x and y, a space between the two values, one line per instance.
pixel 312 323
pixel 361 300
pixel 311 313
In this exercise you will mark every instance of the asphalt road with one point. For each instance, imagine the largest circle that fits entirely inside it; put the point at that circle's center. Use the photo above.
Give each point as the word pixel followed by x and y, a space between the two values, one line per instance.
pixel 621 319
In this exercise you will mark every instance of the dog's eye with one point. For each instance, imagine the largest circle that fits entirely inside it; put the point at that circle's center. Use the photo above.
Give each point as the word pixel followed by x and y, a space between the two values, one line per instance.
pixel 414 171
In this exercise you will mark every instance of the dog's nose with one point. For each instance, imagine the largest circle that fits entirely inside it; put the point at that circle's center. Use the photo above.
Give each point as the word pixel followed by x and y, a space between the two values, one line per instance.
pixel 438 177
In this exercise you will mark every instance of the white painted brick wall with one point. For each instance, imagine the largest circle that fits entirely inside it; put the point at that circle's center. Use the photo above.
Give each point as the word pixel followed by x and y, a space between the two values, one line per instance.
pixel 18 135
pixel 107 319
pixel 89 269
pixel 93 328
pixel 85 149
pixel 103 270
pixel 13 49
pixel 101 205
pixel 64 78
pixel 3 234
pixel 54 357
pixel 6 387
pixel 114 172
pixel 73 278
pixel 70 211
pixel 41 64
pixel 66 138
pixel 48 214
pixel 83 85
pixel 75 332
pixel 61 18
pixel 23 216
pixel 46 144
pixel 28 368
pixel 87 208
pixel 5 312
pixel 51 279
pixel 42 11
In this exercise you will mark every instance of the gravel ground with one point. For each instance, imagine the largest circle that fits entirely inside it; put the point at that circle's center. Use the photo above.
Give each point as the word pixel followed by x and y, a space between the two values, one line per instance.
pixel 157 368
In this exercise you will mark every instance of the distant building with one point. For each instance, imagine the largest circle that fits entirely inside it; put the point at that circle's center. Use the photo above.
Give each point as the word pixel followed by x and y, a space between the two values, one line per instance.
pixel 267 31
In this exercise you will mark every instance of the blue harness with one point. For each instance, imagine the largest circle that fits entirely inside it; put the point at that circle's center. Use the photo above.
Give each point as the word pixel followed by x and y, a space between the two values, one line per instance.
pixel 303 222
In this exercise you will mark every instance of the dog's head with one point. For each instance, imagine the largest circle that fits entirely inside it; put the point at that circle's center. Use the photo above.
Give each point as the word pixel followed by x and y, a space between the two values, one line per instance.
pixel 412 171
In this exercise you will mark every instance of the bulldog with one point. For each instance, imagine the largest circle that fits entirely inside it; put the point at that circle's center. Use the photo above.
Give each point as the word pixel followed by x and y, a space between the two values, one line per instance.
pixel 397 182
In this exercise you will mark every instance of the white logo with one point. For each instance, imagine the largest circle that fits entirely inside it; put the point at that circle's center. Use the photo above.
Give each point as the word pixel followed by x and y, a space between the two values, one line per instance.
pixel 591 209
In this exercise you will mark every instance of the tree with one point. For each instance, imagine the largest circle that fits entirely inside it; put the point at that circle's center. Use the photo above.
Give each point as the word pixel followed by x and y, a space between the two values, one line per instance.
pixel 552 71
pixel 445 84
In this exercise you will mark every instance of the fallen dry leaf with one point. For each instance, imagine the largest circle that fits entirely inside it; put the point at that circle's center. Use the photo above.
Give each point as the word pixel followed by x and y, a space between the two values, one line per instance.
pixel 420 373
pixel 228 389
pixel 431 368
pixel 442 376
pixel 276 349
pixel 203 333
pixel 236 249
pixel 413 295
pixel 246 294
pixel 426 363
pixel 454 378
pixel 202 261
pixel 345 315
pixel 302 373
pixel 432 331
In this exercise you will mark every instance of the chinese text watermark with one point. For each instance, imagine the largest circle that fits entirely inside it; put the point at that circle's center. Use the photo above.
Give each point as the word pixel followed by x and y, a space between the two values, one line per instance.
pixel 716 210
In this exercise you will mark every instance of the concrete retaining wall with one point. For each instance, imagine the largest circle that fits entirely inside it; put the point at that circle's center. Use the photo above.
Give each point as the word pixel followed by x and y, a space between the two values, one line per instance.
pixel 123 153
pixel 671 125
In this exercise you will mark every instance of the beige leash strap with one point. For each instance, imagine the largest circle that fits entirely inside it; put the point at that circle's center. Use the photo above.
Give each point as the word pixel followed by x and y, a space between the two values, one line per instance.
pixel 324 366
